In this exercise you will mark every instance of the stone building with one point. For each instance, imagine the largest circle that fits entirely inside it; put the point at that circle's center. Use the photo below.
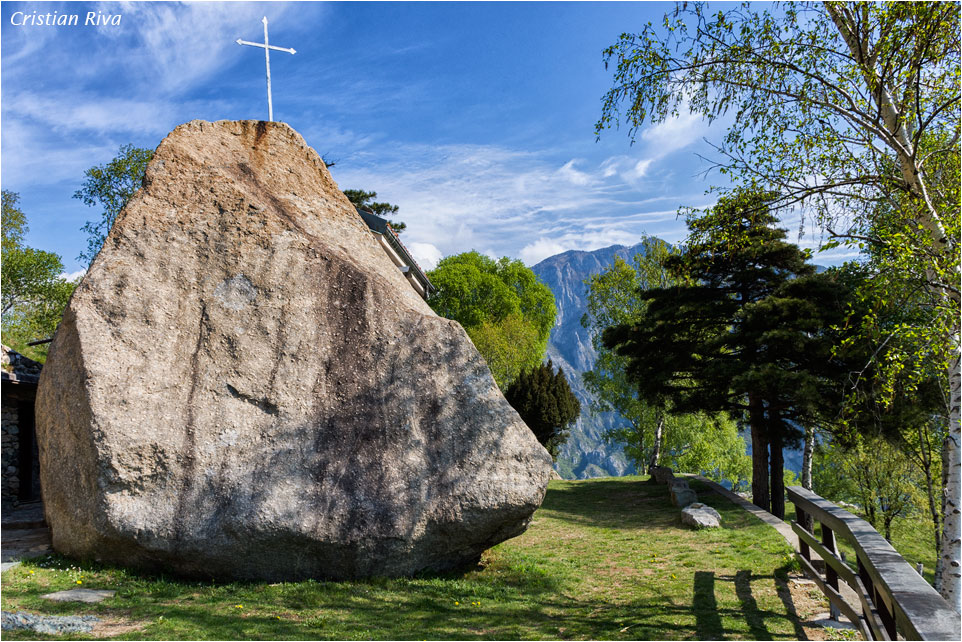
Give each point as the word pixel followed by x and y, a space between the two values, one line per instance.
pixel 20 465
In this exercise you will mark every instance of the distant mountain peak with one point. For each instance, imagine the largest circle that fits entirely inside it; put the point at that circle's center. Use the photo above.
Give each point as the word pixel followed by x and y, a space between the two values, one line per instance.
pixel 586 454
pixel 568 254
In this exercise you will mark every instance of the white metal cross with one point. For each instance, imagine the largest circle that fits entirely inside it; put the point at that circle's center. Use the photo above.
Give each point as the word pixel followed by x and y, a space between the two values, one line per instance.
pixel 267 57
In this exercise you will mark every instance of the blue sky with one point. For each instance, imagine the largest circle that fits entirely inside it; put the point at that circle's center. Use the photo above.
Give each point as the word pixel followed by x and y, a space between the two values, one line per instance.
pixel 476 118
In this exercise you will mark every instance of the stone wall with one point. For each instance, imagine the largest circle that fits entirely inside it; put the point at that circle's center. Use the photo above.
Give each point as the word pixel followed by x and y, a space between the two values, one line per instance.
pixel 20 376
pixel 9 425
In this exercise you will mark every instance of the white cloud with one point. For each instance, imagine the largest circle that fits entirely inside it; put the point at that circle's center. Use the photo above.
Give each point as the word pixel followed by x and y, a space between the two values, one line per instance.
pixel 507 202
pixel 541 249
pixel 32 157
pixel 572 175
pixel 641 167
pixel 660 140
pixel 585 240
pixel 627 168
pixel 71 276
pixel 181 44
pixel 88 112
pixel 425 254
pixel 675 133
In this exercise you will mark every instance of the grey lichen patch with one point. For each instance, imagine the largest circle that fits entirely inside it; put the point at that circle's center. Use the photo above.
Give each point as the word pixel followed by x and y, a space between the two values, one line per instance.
pixel 236 293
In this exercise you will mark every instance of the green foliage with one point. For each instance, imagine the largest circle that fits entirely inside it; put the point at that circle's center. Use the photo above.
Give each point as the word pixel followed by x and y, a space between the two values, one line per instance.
pixel 873 475
pixel 710 445
pixel 110 186
pixel 365 201
pixel 885 392
pixel 33 293
pixel 892 384
pixel 614 297
pixel 690 442
pixel 14 221
pixel 737 331
pixel 509 346
pixel 694 443
pixel 545 402
pixel 502 305
pixel 852 109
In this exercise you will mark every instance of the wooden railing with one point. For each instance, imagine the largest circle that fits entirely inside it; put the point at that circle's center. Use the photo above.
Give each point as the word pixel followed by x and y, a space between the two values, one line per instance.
pixel 894 598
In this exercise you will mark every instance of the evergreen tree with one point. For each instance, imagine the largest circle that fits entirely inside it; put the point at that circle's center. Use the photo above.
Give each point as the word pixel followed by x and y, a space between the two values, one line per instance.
pixel 365 201
pixel 733 335
pixel 545 402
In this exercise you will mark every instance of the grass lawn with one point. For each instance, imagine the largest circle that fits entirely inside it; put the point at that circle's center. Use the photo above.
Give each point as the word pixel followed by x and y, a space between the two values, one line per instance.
pixel 603 559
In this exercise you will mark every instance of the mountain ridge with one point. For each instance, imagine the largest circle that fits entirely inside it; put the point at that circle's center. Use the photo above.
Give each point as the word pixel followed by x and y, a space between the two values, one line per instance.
pixel 586 453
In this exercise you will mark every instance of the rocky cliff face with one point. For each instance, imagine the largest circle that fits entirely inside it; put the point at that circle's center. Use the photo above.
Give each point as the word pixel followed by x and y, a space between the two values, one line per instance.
pixel 245 386
pixel 569 346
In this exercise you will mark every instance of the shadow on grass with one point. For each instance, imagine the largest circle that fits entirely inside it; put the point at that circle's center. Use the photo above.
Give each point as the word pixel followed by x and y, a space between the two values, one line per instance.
pixel 708 615
pixel 612 504
pixel 708 623
pixel 424 608
pixel 520 594
pixel 145 596
pixel 628 503
pixel 170 585
pixel 743 589
pixel 785 595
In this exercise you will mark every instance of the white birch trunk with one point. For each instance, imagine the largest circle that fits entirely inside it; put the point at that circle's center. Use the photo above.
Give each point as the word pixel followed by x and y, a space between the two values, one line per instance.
pixel 950 573
pixel 659 435
pixel 899 141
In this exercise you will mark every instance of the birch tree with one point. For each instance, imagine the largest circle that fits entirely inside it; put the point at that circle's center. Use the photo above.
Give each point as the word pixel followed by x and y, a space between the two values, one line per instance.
pixel 614 296
pixel 110 186
pixel 848 110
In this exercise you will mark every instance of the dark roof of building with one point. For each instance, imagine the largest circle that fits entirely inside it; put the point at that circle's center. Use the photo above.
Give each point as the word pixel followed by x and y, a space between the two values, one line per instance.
pixel 383 227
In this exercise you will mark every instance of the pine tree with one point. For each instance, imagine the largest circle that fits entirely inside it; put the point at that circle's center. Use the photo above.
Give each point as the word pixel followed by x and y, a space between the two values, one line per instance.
pixel 365 201
pixel 733 335
pixel 543 399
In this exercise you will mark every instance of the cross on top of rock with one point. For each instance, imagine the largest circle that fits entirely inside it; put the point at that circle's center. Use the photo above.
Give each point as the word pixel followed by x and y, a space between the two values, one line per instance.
pixel 267 57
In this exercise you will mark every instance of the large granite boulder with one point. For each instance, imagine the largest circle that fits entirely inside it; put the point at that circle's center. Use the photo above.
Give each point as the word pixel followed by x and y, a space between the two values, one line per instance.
pixel 245 386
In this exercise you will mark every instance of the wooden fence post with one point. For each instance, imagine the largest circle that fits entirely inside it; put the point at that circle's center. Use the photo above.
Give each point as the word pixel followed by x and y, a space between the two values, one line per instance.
pixel 804 520
pixel 831 575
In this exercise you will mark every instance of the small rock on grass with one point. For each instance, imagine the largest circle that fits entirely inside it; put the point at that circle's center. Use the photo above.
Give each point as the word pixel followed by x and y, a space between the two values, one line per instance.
pixel 79 595
pixel 48 624
pixel 700 516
